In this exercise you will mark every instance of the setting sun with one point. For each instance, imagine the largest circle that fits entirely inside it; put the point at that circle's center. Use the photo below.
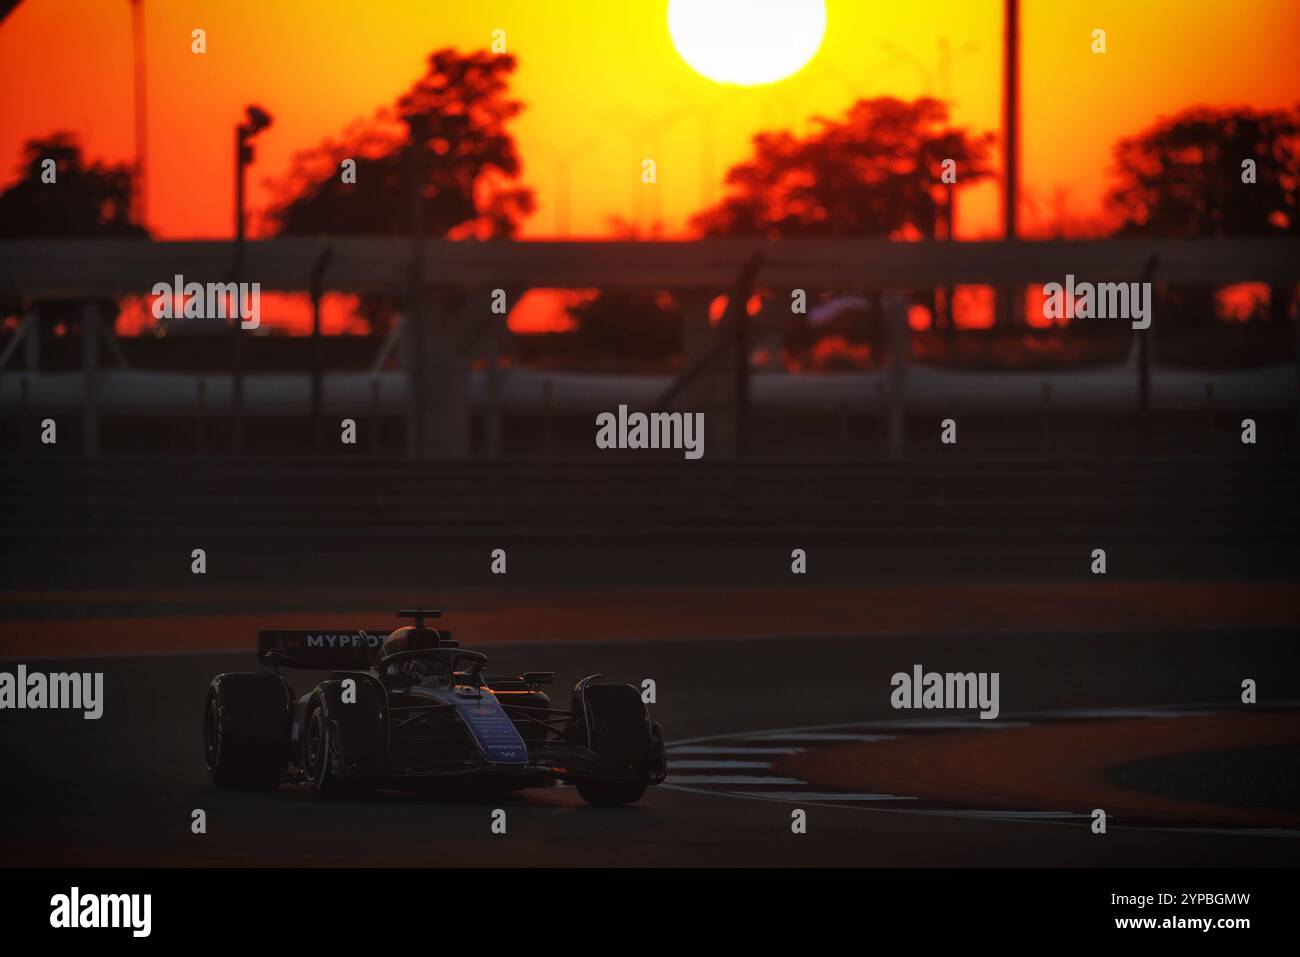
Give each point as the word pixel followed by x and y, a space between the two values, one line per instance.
pixel 746 43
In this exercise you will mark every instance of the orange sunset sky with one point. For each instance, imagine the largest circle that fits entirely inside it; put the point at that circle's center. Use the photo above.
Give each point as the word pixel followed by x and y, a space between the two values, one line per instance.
pixel 591 72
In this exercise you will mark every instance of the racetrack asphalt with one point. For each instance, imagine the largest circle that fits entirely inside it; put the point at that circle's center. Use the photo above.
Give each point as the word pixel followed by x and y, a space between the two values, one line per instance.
pixel 121 790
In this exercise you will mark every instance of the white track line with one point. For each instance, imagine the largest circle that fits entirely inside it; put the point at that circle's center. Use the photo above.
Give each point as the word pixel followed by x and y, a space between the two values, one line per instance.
pixel 1237 831
pixel 1117 713
pixel 946 724
pixel 821 736
pixel 1012 815
pixel 729 779
pixel 827 796
pixel 698 749
pixel 869 802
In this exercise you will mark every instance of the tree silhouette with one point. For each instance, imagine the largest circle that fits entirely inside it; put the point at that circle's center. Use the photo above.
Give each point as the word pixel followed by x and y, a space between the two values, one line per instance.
pixel 876 172
pixel 84 200
pixel 1184 177
pixel 456 114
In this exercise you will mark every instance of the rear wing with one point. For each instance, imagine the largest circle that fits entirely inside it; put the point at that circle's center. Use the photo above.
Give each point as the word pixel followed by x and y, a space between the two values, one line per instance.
pixel 324 649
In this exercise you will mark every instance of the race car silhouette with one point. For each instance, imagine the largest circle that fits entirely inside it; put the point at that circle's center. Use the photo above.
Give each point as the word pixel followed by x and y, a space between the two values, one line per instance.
pixel 414 710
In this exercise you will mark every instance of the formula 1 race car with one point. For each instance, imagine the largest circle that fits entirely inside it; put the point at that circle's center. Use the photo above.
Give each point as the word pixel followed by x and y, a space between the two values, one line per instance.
pixel 412 709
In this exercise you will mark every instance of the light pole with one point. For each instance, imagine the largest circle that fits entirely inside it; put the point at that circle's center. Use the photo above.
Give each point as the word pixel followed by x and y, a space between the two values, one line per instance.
pixel 141 110
pixel 562 164
pixel 1010 118
pixel 644 136
pixel 707 116
pixel 256 120
pixel 1006 314
pixel 417 444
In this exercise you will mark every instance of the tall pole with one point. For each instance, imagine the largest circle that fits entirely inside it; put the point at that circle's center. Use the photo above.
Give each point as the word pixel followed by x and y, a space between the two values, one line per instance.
pixel 417 333
pixel 256 119
pixel 241 162
pixel 707 115
pixel 561 198
pixel 1010 119
pixel 950 211
pixel 1010 147
pixel 317 346
pixel 237 342
pixel 562 165
pixel 644 135
pixel 141 110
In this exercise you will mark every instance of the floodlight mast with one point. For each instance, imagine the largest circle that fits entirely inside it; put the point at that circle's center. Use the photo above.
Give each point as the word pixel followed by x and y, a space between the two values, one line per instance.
pixel 256 120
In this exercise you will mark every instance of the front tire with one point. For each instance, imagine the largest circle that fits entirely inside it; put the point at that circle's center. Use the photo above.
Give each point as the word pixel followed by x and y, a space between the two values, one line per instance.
pixel 619 730
pixel 246 730
pixel 320 743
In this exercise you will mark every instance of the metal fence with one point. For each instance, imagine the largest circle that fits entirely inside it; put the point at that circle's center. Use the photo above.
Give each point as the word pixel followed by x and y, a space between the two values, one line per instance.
pixel 448 322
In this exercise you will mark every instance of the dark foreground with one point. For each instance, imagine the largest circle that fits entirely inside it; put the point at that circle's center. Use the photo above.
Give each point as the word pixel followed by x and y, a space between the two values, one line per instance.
pixel 121 790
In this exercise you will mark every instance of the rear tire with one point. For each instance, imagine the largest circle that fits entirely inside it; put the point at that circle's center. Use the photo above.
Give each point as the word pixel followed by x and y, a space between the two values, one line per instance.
pixel 246 730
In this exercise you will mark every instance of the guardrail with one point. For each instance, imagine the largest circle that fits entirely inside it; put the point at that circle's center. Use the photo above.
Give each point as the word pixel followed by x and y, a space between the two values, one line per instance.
pixel 93 267
pixel 441 393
